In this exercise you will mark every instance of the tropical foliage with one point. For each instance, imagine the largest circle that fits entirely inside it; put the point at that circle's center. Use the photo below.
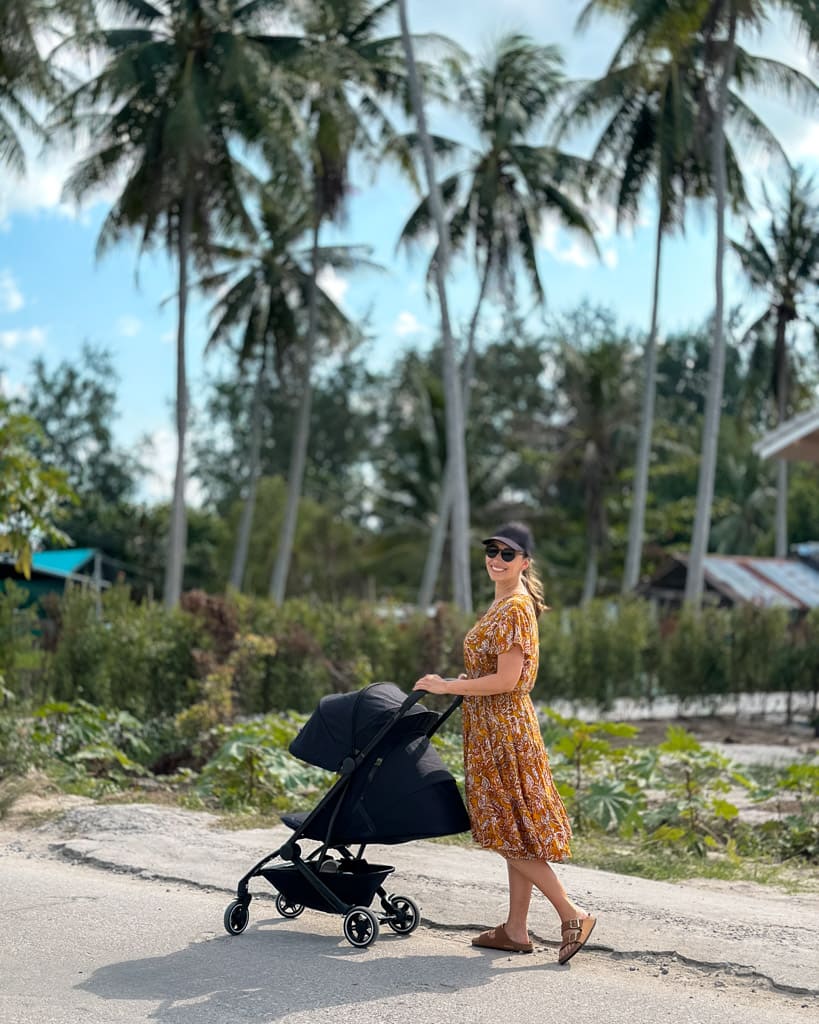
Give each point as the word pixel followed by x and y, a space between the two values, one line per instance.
pixel 230 133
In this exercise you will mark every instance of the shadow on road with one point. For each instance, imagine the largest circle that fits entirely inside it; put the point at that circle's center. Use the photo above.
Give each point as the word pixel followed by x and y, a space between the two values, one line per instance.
pixel 272 970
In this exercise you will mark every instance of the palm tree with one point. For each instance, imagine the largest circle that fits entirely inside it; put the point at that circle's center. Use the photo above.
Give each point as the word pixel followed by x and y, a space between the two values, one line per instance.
pixel 26 76
pixel 263 294
pixel 714 26
pixel 784 267
pixel 347 71
pixel 495 202
pixel 455 420
pixel 598 389
pixel 721 47
pixel 182 79
pixel 650 140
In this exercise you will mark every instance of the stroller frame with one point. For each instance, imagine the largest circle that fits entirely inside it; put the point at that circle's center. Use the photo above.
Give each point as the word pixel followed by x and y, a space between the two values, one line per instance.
pixel 350 884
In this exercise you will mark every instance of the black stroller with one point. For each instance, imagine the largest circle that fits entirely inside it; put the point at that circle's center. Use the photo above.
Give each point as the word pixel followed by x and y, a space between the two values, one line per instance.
pixel 392 787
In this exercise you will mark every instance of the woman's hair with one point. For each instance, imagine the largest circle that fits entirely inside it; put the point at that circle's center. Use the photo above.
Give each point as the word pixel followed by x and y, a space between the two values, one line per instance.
pixel 534 586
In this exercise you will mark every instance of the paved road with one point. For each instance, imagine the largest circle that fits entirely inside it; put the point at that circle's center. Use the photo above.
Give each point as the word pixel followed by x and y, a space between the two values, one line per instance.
pixel 84 945
pixel 90 934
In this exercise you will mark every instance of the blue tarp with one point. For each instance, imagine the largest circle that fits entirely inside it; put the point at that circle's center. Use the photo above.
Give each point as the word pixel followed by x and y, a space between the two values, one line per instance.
pixel 61 563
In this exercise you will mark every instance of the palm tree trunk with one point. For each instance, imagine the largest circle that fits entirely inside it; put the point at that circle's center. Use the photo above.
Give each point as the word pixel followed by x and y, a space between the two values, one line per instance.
pixel 590 579
pixel 716 369
pixel 298 457
pixel 636 524
pixel 455 443
pixel 177 540
pixel 237 569
pixel 432 566
pixel 781 528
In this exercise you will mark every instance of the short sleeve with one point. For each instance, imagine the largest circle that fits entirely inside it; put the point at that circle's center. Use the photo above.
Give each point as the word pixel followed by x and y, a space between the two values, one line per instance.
pixel 515 627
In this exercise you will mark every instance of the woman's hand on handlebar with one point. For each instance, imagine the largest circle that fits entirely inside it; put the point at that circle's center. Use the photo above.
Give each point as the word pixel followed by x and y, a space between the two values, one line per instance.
pixel 432 684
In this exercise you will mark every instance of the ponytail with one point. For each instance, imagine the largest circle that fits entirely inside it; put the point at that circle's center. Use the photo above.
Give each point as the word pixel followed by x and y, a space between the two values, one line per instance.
pixel 534 586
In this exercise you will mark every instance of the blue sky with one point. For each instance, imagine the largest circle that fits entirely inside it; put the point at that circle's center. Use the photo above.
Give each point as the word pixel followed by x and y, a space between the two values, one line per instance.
pixel 54 295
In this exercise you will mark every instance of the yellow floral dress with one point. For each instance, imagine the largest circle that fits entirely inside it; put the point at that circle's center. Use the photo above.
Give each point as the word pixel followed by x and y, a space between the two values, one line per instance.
pixel 514 807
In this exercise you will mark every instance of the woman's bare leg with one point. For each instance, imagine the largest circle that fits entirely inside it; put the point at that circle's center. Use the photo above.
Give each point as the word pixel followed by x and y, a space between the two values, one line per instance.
pixel 541 874
pixel 520 895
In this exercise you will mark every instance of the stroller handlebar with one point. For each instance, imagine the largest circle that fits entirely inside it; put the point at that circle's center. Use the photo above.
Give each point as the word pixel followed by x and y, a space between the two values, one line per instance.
pixel 417 695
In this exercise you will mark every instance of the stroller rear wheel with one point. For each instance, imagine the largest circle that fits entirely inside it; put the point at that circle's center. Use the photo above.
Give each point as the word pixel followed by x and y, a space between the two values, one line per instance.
pixel 404 915
pixel 360 927
pixel 287 908
pixel 236 917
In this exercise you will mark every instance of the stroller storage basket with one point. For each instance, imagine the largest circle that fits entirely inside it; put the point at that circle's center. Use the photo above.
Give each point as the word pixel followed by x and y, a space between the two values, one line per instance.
pixel 354 883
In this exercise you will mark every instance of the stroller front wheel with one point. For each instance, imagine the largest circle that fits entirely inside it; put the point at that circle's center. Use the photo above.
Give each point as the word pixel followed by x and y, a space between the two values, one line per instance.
pixel 236 917
pixel 360 927
pixel 404 915
pixel 287 908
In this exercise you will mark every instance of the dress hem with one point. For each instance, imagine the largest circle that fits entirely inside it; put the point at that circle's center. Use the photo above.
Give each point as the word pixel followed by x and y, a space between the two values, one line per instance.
pixel 510 855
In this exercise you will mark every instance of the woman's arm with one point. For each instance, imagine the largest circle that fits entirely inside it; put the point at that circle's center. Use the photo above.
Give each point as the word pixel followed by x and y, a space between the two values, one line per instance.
pixel 504 680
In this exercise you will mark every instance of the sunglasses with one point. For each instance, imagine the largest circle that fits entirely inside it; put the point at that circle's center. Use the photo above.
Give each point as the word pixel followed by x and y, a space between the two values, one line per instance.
pixel 507 554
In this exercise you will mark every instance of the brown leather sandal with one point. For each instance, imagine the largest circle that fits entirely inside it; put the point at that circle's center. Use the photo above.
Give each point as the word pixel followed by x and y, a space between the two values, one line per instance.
pixel 496 938
pixel 576 932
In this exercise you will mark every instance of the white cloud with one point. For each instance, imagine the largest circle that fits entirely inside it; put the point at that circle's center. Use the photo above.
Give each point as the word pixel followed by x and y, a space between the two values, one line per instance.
pixel 168 338
pixel 610 257
pixel 335 286
pixel 34 336
pixel 406 324
pixel 11 388
pixel 807 145
pixel 129 326
pixel 569 247
pixel 551 239
pixel 11 298
pixel 41 188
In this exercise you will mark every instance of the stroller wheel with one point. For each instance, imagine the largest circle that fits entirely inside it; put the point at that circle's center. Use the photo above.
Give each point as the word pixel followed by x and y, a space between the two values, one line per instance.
pixel 236 917
pixel 286 908
pixel 404 915
pixel 360 927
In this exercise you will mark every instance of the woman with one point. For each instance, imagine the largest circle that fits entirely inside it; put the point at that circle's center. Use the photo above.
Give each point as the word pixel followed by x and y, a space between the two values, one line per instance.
pixel 514 807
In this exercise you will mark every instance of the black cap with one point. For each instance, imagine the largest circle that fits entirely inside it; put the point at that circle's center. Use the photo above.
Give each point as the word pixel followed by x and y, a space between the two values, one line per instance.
pixel 514 535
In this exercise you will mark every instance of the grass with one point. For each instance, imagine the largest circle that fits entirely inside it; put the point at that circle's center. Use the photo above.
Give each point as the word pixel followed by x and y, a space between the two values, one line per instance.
pixel 606 853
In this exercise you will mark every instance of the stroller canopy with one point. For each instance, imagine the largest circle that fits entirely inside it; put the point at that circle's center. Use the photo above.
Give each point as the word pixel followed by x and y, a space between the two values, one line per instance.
pixel 400 791
pixel 344 723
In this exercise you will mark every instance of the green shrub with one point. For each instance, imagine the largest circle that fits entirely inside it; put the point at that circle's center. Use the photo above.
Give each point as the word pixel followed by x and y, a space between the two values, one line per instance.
pixel 21 658
pixel 136 657
pixel 595 654
pixel 695 656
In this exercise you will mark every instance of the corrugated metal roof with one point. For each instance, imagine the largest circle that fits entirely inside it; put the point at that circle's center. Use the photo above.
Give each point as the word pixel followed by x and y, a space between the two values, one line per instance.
pixel 795 578
pixel 61 563
pixel 768 582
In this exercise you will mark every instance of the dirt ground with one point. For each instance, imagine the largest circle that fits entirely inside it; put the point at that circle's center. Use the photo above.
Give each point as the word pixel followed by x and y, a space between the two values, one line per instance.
pixel 728 729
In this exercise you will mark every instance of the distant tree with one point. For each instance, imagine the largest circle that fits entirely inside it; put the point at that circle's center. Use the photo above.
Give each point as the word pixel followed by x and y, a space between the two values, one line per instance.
pixel 262 298
pixel 75 404
pixel 455 420
pixel 783 264
pixel 31 493
pixel 593 439
pixel 495 201
pixel 650 147
pixel 349 74
pixel 181 81
pixel 344 429
pixel 714 29
pixel 28 79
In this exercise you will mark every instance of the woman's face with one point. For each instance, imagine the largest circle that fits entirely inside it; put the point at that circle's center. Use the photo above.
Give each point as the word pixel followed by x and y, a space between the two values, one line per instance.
pixel 503 562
